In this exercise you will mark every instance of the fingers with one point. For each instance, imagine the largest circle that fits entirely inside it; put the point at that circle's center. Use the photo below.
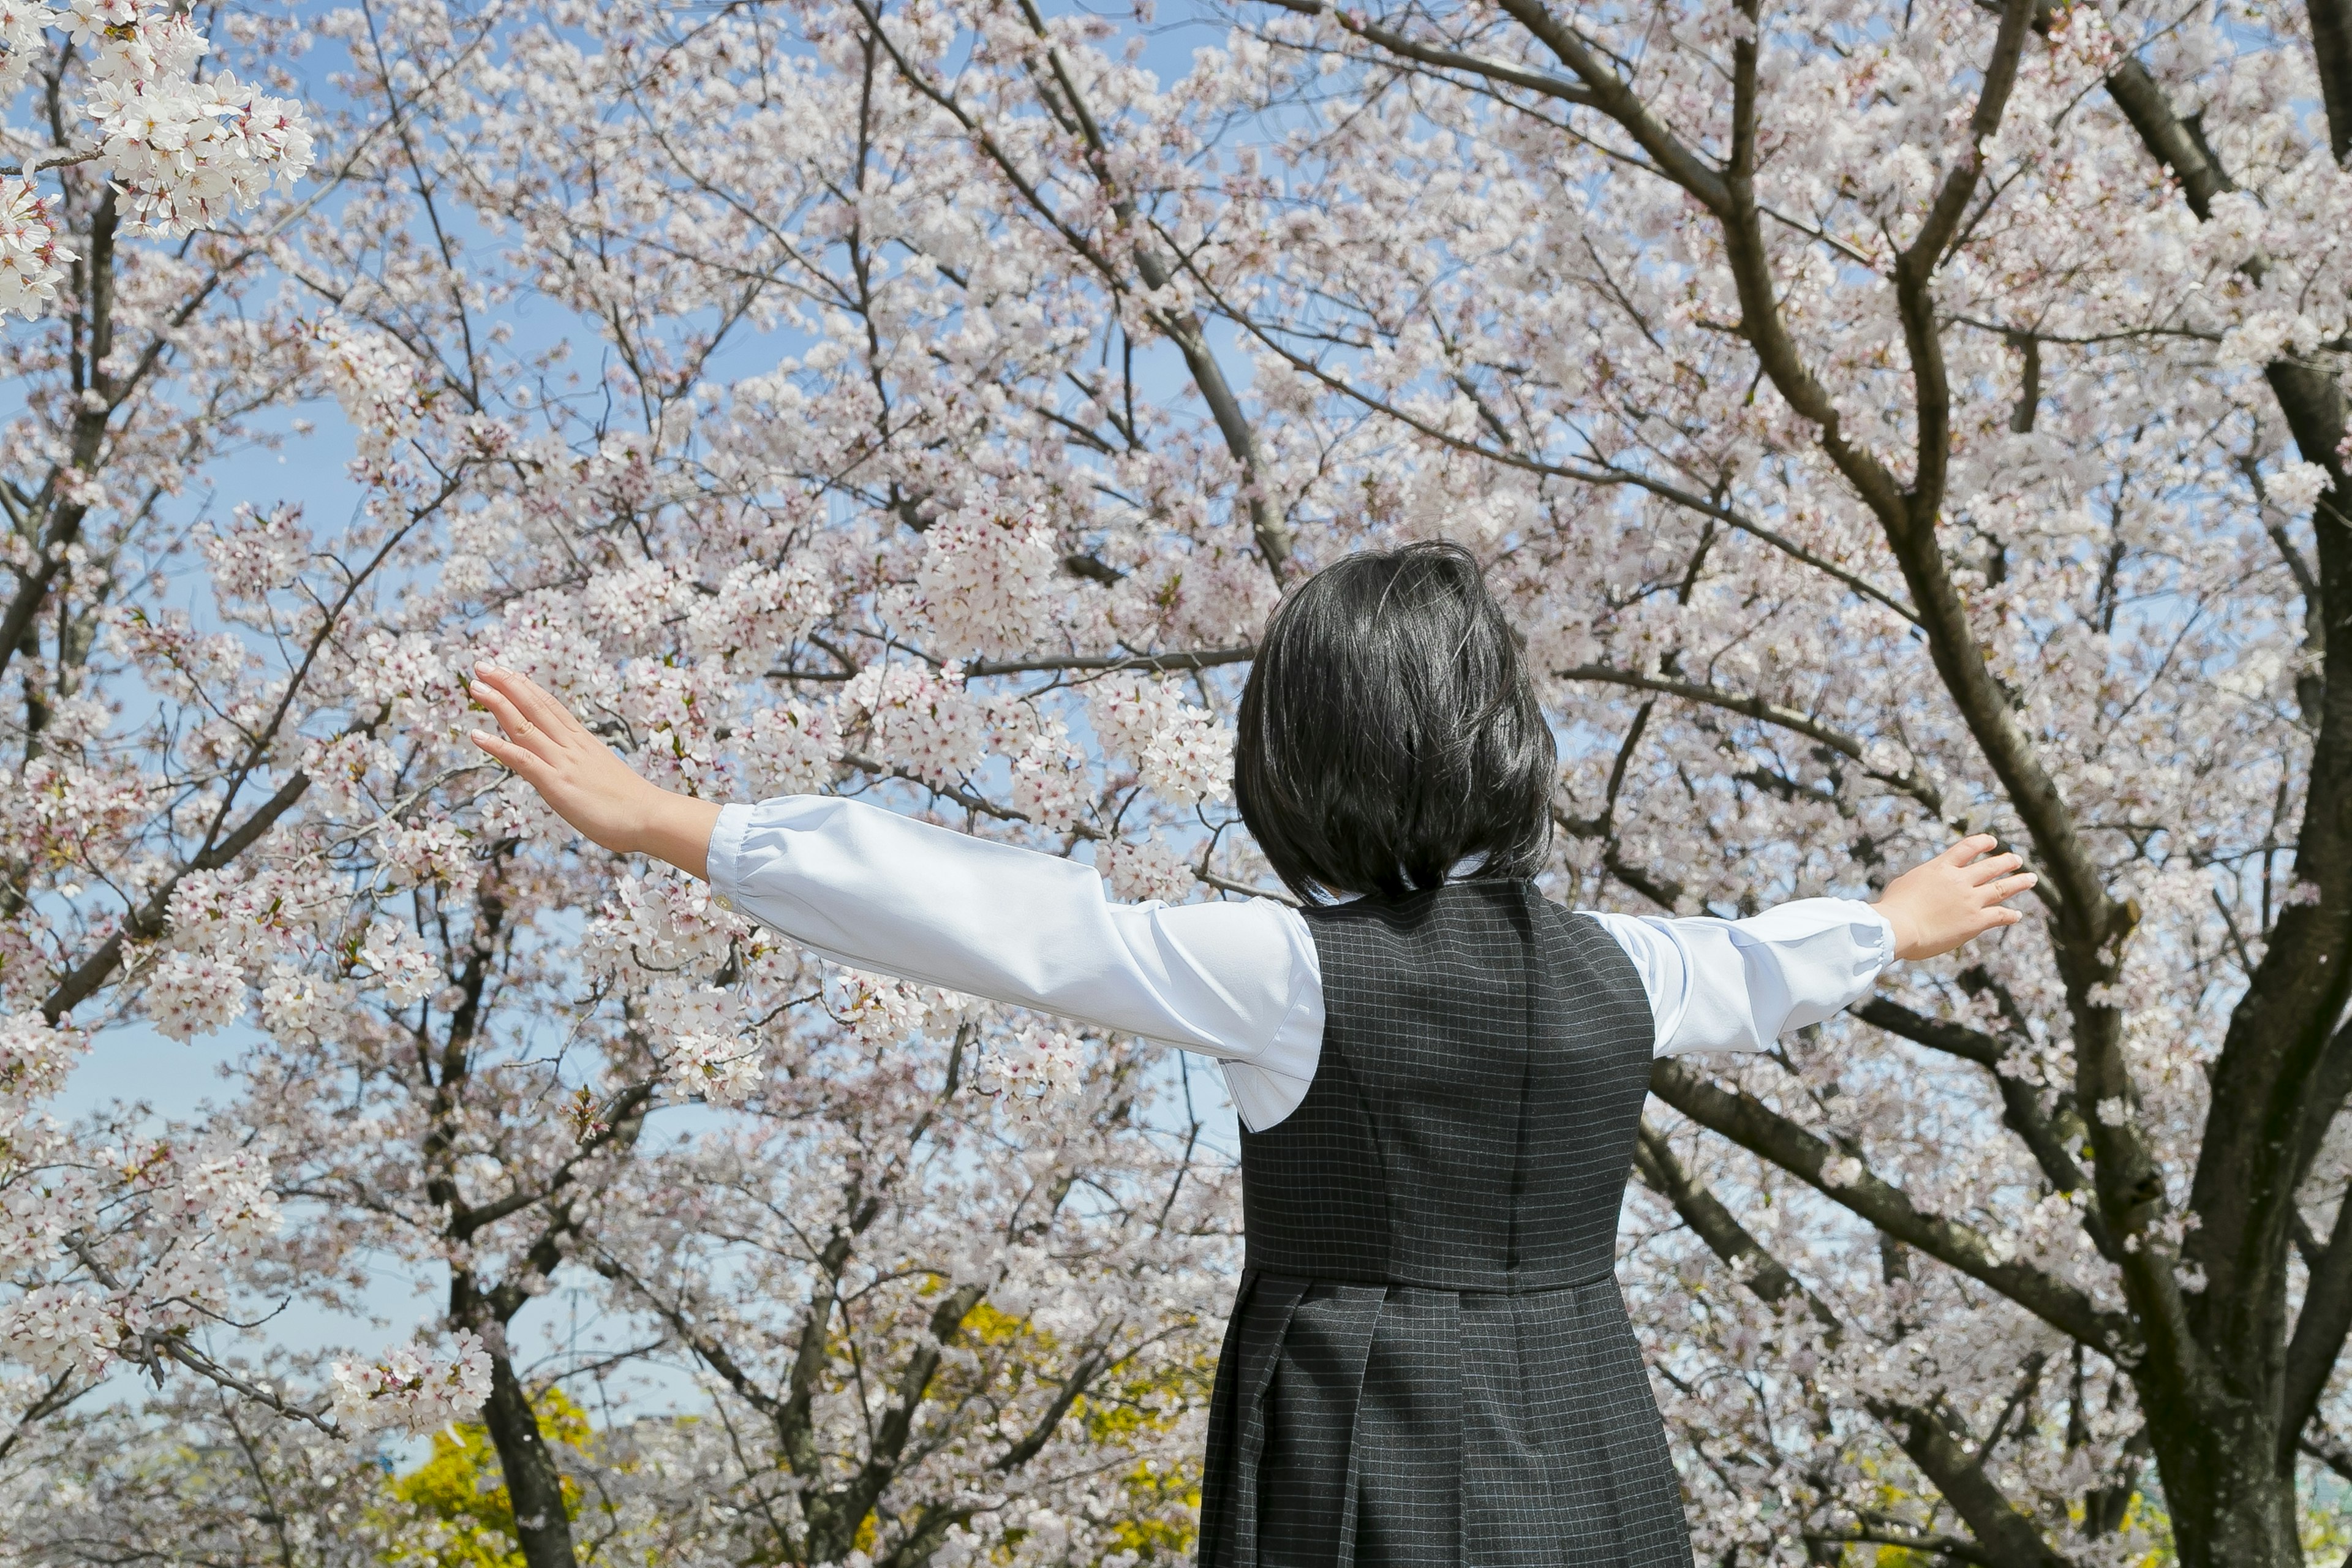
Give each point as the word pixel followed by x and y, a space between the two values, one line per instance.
pixel 1969 848
pixel 530 699
pixel 1990 867
pixel 2009 887
pixel 1981 873
pixel 519 730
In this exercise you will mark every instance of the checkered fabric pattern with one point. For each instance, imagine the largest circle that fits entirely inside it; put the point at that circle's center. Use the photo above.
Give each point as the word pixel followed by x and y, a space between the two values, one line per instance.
pixel 1428 1364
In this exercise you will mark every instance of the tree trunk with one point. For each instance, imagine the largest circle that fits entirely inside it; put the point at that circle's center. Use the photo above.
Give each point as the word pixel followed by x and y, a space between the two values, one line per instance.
pixel 2230 1505
pixel 534 1486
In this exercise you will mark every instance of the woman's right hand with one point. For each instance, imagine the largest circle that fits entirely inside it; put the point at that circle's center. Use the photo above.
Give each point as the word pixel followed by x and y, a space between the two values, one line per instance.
pixel 583 780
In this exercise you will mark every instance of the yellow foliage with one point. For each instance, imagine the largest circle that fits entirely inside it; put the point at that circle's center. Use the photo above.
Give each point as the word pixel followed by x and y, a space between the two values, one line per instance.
pixel 1166 1500
pixel 460 1500
pixel 1163 1501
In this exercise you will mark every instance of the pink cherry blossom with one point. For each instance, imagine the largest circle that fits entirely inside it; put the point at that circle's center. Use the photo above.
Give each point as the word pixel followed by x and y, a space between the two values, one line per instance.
pixel 1880 424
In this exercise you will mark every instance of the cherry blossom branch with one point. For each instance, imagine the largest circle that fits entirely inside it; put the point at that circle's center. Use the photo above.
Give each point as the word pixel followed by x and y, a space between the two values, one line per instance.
pixel 2043 1136
pixel 1663 891
pixel 985 668
pixel 1565 91
pixel 1910 782
pixel 1397 43
pixel 1916 265
pixel 2164 134
pixel 60 1393
pixel 1760 322
pixel 1600 475
pixel 1929 1544
pixel 2331 49
pixel 1227 885
pixel 468 1220
pixel 1949 1455
pixel 62 161
pixel 1908 516
pixel 1095 1360
pixel 399 809
pixel 1181 328
pixel 850 1505
pixel 1765 1276
pixel 1615 97
pixel 1156 663
pixel 835 1510
pixel 970 799
pixel 1765 1132
pixel 112 388
pixel 1938 1443
pixel 147 921
pixel 1667 892
pixel 979 805
pixel 151 1348
pixel 2329 1449
pixel 1959 1040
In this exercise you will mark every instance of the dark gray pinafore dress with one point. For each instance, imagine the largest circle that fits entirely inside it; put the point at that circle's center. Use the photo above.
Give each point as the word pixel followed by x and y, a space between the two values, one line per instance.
pixel 1428 1364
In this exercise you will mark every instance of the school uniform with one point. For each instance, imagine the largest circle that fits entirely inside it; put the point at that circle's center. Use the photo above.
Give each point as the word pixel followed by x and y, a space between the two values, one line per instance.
pixel 1429 1364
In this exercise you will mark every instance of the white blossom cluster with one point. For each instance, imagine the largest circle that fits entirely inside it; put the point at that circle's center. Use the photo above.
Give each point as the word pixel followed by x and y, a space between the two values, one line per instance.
pixel 375 380
pixel 880 1012
pixel 1028 1065
pixel 259 554
pixel 929 406
pixel 788 749
pixel 182 149
pixel 32 259
pixel 1142 869
pixel 412 1389
pixel 985 585
pixel 926 721
pixel 177 1223
pixel 186 150
pixel 1181 752
pixel 756 612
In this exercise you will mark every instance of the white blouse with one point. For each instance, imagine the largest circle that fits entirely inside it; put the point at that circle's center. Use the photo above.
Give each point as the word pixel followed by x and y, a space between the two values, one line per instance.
pixel 1236 981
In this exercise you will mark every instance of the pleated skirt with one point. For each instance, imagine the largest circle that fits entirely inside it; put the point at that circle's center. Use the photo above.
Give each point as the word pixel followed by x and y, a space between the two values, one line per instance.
pixel 1396 1426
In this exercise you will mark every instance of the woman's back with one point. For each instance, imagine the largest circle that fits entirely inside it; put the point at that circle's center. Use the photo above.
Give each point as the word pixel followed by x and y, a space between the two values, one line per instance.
pixel 1485 1054
pixel 1429 1362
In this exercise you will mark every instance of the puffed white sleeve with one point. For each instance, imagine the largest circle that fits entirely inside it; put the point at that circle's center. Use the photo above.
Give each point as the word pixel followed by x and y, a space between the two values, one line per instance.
pixel 1738 986
pixel 882 893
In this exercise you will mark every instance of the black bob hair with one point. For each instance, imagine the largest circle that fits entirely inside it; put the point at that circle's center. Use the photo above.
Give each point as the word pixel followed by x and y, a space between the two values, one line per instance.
pixel 1388 731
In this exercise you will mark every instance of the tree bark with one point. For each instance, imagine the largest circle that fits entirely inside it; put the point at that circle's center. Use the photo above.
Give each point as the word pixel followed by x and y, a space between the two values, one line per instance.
pixel 2227 1454
pixel 534 1486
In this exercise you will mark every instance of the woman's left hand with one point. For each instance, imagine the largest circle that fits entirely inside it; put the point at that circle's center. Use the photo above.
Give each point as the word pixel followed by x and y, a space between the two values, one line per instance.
pixel 1936 906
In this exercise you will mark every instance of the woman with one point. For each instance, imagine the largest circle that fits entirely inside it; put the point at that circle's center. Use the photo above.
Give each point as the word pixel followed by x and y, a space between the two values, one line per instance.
pixel 1439 1073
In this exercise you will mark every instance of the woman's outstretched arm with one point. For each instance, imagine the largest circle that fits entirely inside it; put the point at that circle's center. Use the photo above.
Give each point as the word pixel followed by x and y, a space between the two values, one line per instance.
pixel 1738 986
pixel 883 892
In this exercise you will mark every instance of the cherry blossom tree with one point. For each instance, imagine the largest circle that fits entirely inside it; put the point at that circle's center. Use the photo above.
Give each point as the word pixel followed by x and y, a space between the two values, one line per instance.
pixel 467 1028
pixel 151 348
pixel 1914 424
pixel 1881 422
